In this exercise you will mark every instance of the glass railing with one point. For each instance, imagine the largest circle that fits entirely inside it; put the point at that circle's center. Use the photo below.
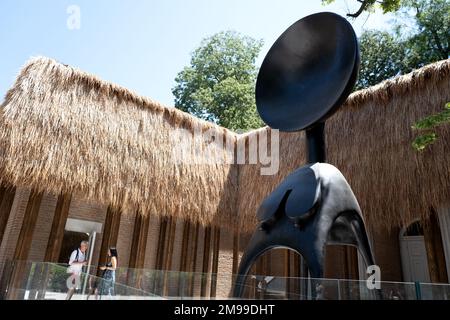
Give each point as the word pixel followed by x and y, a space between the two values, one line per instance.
pixel 25 280
pixel 431 291
pixel 196 285
pixel 38 281
pixel 298 288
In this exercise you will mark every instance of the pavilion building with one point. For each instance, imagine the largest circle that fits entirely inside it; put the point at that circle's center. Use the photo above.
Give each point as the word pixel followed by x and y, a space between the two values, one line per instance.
pixel 79 155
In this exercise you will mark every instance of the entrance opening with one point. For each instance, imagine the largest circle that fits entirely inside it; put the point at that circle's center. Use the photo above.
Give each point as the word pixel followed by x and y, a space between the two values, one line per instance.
pixel 77 230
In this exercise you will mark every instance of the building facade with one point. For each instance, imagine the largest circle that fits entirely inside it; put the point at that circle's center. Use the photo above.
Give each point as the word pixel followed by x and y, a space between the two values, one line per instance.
pixel 81 156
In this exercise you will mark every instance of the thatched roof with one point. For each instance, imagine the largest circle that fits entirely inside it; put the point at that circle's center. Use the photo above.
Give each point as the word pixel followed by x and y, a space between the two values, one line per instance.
pixel 369 140
pixel 65 130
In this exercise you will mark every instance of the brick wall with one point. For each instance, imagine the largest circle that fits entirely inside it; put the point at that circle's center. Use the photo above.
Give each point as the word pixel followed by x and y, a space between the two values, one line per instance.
pixel 178 240
pixel 174 279
pixel 43 226
pixel 387 254
pixel 13 226
pixel 334 262
pixel 277 262
pixel 225 269
pixel 125 237
pixel 199 261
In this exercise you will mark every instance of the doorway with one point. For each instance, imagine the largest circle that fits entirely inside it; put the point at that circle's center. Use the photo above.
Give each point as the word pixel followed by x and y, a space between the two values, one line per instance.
pixel 77 230
pixel 414 254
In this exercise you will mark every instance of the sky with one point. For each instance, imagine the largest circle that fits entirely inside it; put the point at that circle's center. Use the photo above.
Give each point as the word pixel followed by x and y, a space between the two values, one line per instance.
pixel 143 44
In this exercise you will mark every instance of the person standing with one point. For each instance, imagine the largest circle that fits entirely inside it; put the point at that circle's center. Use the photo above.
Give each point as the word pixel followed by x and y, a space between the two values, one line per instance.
pixel 109 273
pixel 76 262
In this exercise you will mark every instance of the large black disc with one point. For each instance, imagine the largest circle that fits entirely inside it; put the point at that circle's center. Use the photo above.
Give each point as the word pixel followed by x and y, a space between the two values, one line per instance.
pixel 308 72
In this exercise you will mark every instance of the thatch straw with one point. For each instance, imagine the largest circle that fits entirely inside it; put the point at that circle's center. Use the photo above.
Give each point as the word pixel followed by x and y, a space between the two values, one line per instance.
pixel 254 187
pixel 64 130
pixel 369 140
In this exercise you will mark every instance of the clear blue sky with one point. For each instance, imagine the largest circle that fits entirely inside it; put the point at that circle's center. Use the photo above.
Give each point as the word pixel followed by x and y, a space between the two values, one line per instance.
pixel 139 44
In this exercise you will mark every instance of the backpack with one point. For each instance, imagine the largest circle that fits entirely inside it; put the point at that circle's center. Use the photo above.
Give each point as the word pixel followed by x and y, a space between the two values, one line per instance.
pixel 76 257
pixel 69 268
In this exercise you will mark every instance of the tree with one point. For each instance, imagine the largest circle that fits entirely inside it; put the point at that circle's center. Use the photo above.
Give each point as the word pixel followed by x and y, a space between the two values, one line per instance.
pixel 384 55
pixel 430 39
pixel 219 83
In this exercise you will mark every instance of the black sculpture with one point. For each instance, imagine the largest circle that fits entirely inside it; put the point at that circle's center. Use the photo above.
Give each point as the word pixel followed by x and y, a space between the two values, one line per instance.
pixel 307 74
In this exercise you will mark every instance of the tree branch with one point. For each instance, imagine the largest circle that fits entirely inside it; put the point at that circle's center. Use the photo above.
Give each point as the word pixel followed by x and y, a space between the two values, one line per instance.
pixel 364 5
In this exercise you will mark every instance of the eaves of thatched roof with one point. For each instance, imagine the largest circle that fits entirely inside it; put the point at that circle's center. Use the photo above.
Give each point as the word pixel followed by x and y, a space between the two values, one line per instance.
pixel 63 130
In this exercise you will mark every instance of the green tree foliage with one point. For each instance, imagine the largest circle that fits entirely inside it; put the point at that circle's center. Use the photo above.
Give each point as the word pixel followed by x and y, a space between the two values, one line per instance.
pixel 420 37
pixel 430 43
pixel 381 58
pixel 219 83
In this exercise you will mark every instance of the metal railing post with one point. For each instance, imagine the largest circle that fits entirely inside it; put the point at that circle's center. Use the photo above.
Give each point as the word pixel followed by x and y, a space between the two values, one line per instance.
pixel 88 269
pixel 418 290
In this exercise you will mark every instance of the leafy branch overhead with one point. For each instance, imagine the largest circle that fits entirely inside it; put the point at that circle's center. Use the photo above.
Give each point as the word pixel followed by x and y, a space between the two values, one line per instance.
pixel 218 85
pixel 419 36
